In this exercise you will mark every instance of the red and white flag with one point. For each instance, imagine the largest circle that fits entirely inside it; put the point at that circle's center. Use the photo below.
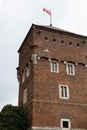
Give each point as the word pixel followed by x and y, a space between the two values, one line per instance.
pixel 47 11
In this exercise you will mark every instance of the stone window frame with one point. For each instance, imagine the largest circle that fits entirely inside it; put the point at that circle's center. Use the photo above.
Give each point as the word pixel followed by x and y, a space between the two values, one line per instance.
pixel 54 66
pixel 27 71
pixel 23 77
pixel 25 96
pixel 70 68
pixel 66 120
pixel 64 91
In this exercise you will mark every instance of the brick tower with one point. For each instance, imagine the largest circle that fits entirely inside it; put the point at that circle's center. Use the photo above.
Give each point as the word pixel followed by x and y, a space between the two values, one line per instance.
pixel 52 74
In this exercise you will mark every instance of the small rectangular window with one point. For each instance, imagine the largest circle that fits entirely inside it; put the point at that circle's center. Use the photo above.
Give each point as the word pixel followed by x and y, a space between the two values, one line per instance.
pixel 70 69
pixel 25 96
pixel 54 66
pixel 65 123
pixel 23 77
pixel 64 91
pixel 27 71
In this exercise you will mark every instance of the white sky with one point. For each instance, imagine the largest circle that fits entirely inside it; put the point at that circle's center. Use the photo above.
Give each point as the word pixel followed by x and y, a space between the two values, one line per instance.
pixel 16 17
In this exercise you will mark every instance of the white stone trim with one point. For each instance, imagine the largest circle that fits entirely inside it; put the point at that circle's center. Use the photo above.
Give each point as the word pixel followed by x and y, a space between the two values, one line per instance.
pixel 23 77
pixel 49 59
pixel 76 63
pixel 86 66
pixel 51 66
pixel 78 129
pixel 67 90
pixel 69 123
pixel 46 50
pixel 46 128
pixel 25 96
pixel 43 128
pixel 34 58
pixel 65 62
pixel 72 72
pixel 55 102
pixel 38 57
pixel 51 128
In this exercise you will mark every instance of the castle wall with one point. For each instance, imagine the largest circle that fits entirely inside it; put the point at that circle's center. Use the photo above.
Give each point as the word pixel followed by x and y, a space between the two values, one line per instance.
pixel 45 105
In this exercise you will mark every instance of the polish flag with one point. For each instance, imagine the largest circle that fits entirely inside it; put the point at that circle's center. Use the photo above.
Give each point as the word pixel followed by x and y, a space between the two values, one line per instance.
pixel 47 11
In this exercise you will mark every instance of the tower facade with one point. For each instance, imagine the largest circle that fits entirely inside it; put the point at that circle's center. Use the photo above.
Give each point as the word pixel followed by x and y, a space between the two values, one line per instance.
pixel 52 74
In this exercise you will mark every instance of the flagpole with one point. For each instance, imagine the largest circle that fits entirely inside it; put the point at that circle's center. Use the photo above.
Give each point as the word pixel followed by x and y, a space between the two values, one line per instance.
pixel 48 12
pixel 50 19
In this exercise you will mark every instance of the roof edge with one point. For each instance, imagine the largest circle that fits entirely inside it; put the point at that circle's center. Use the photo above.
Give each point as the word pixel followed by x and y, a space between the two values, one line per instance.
pixel 60 30
pixel 52 28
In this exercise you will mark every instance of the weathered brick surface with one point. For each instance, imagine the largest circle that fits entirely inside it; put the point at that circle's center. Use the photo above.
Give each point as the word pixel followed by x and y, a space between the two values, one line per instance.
pixel 44 107
pixel 50 114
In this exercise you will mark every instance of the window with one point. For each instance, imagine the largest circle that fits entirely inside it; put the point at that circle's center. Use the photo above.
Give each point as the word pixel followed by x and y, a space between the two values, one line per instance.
pixel 46 38
pixel 25 96
pixel 65 123
pixel 70 69
pixel 78 44
pixel 27 71
pixel 23 77
pixel 70 43
pixel 64 91
pixel 54 40
pixel 54 66
pixel 62 41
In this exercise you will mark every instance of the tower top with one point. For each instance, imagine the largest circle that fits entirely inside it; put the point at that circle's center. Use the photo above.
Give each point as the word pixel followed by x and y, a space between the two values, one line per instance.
pixel 53 29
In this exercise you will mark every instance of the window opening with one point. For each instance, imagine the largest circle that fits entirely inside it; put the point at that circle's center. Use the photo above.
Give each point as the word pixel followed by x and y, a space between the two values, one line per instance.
pixel 54 66
pixel 64 91
pixel 70 69
pixel 65 123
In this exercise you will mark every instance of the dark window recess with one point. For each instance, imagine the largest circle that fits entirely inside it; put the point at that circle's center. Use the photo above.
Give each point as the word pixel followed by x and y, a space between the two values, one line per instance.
pixel 78 44
pixel 65 124
pixel 46 38
pixel 70 43
pixel 62 41
pixel 54 40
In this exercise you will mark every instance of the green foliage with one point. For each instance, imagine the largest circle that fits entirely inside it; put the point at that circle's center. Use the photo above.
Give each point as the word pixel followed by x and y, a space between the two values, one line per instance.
pixel 12 118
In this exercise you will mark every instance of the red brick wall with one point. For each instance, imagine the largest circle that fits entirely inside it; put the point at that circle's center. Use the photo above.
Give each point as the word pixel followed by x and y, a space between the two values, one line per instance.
pixel 46 83
pixel 50 114
pixel 44 107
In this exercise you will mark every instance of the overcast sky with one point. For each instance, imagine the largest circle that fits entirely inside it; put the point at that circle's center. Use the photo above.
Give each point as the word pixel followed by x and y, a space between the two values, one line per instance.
pixel 16 17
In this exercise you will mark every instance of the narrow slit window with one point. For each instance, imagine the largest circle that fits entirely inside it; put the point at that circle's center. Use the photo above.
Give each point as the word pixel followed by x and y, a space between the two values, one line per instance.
pixel 25 96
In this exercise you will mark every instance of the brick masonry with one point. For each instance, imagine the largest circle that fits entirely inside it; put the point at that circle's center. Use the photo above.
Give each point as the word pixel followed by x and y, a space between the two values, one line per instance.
pixel 44 107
